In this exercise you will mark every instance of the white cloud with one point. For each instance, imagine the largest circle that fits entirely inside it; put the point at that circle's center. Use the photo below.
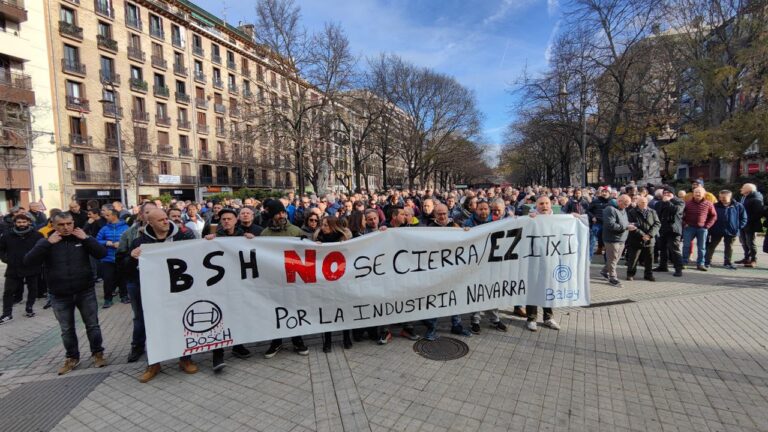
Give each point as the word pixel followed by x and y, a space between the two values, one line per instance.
pixel 553 6
pixel 506 7
pixel 551 42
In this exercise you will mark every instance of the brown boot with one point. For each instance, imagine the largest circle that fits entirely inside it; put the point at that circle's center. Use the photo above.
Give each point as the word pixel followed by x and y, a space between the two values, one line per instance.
pixel 519 312
pixel 750 264
pixel 151 372
pixel 98 360
pixel 69 365
pixel 188 366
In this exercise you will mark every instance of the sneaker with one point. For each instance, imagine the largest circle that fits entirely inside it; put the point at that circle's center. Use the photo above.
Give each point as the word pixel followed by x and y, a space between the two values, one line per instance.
pixel 273 350
pixel 188 366
pixel 552 324
pixel 69 365
pixel 475 328
pixel 29 313
pixel 730 267
pixel 151 372
pixel 431 335
pixel 532 326
pixel 125 300
pixel 218 361
pixel 107 304
pixel 461 331
pixel 701 268
pixel 300 349
pixel 385 338
pixel 661 269
pixel 409 334
pixel 614 282
pixel 500 326
pixel 240 351
pixel 605 274
pixel 135 354
pixel 5 318
pixel 678 273
pixel 98 360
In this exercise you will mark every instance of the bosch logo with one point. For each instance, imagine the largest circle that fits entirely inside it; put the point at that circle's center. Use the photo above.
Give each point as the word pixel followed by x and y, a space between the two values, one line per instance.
pixel 201 316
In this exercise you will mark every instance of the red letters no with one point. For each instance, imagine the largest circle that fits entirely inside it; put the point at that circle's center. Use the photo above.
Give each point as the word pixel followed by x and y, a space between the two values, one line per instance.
pixel 306 269
pixel 341 264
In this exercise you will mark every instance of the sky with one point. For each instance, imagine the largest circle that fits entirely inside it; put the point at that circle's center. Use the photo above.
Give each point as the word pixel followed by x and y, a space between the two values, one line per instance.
pixel 484 44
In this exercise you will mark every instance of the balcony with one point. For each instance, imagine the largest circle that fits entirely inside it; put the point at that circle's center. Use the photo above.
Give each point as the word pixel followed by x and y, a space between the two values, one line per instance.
pixel 201 103
pixel 183 124
pixel 110 109
pixel 143 147
pixel 182 98
pixel 177 42
pixel 109 77
pixel 200 77
pixel 159 62
pixel 233 88
pixel 106 43
pixel 231 65
pixel 13 10
pixel 262 182
pixel 202 128
pixel 198 51
pixel 95 177
pixel 140 116
pixel 162 120
pixel 247 93
pixel 206 180
pixel 218 83
pixel 205 154
pixel 133 22
pixel 157 32
pixel 165 150
pixel 185 152
pixel 110 144
pixel 161 91
pixel 16 87
pixel 245 71
pixel 216 58
pixel 135 53
pixel 70 30
pixel 219 108
pixel 104 9
pixel 221 132
pixel 180 70
pixel 78 104
pixel 234 112
pixel 80 141
pixel 139 85
pixel 222 180
pixel 73 67
pixel 188 179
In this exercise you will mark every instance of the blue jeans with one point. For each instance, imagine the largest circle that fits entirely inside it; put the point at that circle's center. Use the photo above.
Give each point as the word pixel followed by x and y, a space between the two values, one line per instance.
pixel 64 310
pixel 139 338
pixel 595 234
pixel 700 234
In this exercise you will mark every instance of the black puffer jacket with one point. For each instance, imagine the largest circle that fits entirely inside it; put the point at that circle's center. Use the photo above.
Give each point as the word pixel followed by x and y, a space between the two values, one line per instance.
pixel 753 203
pixel 67 263
pixel 596 208
pixel 13 246
pixel 130 265
pixel 671 216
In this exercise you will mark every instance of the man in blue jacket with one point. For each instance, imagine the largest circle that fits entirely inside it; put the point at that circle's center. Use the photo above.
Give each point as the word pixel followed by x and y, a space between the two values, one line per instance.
pixel 109 237
pixel 731 218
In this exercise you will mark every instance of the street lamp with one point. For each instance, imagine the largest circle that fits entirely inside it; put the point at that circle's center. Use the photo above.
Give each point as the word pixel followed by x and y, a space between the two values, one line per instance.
pixel 583 110
pixel 116 97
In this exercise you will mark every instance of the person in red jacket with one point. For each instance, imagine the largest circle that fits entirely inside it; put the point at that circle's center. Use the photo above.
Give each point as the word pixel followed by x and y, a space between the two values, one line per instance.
pixel 699 216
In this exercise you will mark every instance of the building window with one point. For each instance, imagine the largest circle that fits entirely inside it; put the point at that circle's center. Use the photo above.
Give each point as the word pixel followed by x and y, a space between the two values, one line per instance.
pixel 77 127
pixel 183 115
pixel 162 110
pixel 159 80
pixel 138 105
pixel 74 89
pixel 181 87
pixel 185 169
pixel 105 30
pixel 162 138
pixel 80 164
pixel 68 16
pixel 198 67
pixel 164 167
pixel 203 144
pixel 197 41
pixel 136 73
pixel 183 142
pixel 155 26
pixel 132 15
pixel 71 56
pixel 177 36
pixel 114 164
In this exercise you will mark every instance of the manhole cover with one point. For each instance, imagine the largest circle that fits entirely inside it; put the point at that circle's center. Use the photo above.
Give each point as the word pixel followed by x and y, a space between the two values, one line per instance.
pixel 444 348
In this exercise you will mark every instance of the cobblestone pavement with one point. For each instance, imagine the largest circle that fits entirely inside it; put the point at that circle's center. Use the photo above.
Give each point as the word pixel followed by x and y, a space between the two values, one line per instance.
pixel 681 354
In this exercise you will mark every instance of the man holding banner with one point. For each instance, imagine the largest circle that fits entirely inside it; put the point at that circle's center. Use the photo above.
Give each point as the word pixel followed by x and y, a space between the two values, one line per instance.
pixel 543 208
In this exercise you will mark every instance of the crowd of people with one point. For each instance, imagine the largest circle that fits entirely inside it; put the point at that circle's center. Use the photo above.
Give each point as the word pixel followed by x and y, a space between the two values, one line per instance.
pixel 62 255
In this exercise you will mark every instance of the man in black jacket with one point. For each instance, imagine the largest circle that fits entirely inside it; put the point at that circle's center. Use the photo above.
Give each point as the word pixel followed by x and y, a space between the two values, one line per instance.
pixel 65 254
pixel 158 230
pixel 670 211
pixel 752 200
pixel 640 241
pixel 13 246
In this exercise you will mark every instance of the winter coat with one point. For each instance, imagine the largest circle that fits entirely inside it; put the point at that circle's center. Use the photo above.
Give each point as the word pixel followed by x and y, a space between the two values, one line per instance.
pixel 473 221
pixel 130 265
pixel 93 228
pixel 287 230
pixel 111 232
pixel 730 219
pixel 647 224
pixel 40 218
pixel 14 245
pixel 671 216
pixel 596 208
pixel 333 237
pixel 254 229
pixel 80 219
pixel 615 223
pixel 699 214
pixel 67 263
pixel 580 206
pixel 753 204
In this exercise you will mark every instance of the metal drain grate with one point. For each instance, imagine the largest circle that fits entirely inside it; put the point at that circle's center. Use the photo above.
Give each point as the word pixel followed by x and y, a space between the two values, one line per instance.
pixel 444 348
pixel 40 406
pixel 609 303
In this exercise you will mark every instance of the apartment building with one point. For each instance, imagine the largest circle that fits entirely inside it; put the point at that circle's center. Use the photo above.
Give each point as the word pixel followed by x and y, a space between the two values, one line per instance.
pixel 175 88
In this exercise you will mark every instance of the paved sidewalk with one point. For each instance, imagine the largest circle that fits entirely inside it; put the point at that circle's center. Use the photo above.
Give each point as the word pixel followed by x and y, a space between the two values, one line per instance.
pixel 681 354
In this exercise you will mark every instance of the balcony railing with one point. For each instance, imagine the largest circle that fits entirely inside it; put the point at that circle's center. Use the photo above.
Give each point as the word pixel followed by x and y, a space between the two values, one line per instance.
pixel 106 43
pixel 95 177
pixel 247 93
pixel 198 51
pixel 222 180
pixel 233 88
pixel 76 140
pixel 157 32
pixel 216 58
pixel 176 41
pixel 165 150
pixel 202 128
pixel 219 108
pixel 205 154
pixel 110 109
pixel 218 83
pixel 221 132
pixel 73 67
pixel 231 64
pixel 201 103
pixel 140 116
pixel 206 180
pixel 143 147
pixel 183 124
pixel 16 80
pixel 200 77
pixel 159 62
pixel 180 69
pixel 70 30
pixel 182 98
pixel 139 85
pixel 161 91
pixel 188 179
pixel 136 53
pixel 245 71
pixel 110 144
pixel 104 9
pixel 78 103
pixel 162 120
pixel 185 152
pixel 109 77
pixel 234 112
pixel 133 22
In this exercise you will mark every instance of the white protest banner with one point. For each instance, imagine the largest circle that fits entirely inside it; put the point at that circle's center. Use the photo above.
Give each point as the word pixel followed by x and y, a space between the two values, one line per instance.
pixel 201 295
